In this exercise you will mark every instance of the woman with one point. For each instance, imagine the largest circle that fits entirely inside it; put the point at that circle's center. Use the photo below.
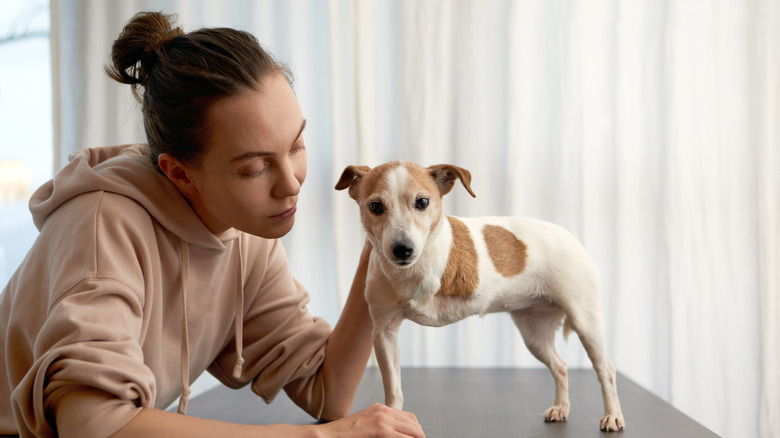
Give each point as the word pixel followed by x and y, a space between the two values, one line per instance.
pixel 157 262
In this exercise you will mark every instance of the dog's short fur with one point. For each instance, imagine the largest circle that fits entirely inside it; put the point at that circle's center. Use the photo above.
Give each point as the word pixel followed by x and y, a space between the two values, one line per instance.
pixel 436 270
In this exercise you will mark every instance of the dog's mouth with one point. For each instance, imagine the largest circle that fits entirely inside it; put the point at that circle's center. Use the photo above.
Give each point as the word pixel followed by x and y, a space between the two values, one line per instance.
pixel 404 264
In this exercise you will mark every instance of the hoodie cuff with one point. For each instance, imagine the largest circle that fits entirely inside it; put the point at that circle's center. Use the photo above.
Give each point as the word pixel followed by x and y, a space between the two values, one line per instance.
pixel 90 413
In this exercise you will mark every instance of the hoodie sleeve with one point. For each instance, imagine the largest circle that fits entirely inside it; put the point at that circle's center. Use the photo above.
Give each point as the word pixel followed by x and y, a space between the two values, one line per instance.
pixel 78 323
pixel 87 350
pixel 283 344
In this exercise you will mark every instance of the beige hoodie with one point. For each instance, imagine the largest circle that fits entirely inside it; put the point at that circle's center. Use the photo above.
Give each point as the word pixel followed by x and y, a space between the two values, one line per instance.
pixel 126 297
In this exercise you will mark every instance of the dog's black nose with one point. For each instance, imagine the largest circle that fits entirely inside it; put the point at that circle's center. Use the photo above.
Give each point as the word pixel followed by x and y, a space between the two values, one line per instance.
pixel 401 251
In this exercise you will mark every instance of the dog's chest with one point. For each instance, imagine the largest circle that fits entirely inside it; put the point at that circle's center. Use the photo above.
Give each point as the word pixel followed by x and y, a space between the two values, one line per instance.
pixel 436 311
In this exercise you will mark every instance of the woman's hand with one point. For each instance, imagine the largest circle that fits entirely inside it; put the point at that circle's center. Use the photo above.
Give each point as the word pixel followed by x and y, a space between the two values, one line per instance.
pixel 377 421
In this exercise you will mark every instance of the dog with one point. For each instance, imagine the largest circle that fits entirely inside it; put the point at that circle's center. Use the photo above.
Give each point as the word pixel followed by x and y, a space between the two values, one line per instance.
pixel 436 269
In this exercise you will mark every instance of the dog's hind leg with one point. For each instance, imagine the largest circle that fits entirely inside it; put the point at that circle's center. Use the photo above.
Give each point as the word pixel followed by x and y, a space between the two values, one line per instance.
pixel 589 326
pixel 538 325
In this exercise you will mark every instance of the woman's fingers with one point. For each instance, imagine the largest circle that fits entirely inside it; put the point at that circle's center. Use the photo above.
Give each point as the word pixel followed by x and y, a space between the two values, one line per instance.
pixel 378 421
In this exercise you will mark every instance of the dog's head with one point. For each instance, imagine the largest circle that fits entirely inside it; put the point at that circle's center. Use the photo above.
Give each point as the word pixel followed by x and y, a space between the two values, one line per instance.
pixel 400 204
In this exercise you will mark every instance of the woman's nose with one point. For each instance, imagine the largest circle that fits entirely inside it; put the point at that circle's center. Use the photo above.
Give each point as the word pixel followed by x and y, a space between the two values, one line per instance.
pixel 287 183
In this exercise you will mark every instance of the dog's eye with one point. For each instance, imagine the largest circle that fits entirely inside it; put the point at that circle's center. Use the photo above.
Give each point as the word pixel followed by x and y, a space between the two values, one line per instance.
pixel 376 207
pixel 421 204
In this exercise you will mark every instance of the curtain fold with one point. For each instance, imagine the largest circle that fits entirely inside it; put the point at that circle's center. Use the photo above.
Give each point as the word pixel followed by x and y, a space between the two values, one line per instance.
pixel 650 129
pixel 766 127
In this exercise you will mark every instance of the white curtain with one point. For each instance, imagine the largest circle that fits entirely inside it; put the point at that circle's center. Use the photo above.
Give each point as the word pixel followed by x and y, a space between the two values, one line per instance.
pixel 651 129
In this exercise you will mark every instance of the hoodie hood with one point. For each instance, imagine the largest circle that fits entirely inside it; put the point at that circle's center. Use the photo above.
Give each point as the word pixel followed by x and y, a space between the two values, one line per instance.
pixel 126 170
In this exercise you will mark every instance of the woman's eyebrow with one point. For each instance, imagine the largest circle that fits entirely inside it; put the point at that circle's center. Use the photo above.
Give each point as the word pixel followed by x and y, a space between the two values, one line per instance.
pixel 253 154
pixel 256 154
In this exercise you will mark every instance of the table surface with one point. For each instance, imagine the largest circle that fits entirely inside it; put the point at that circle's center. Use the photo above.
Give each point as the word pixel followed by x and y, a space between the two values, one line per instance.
pixel 477 402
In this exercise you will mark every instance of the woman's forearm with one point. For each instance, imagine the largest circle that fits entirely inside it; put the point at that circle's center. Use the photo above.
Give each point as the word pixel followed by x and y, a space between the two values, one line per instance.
pixel 349 347
pixel 156 422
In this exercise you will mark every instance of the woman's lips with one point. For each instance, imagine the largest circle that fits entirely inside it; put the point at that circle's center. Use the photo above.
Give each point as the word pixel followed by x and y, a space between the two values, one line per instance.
pixel 287 214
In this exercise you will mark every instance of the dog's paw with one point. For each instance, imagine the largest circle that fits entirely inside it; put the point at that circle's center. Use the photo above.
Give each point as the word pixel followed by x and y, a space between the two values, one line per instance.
pixel 556 413
pixel 612 423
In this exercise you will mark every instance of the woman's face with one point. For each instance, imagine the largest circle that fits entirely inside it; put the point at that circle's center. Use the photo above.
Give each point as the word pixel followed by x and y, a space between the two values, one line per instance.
pixel 254 164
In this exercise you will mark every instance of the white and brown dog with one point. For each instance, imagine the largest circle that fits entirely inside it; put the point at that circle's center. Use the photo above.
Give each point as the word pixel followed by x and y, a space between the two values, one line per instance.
pixel 436 270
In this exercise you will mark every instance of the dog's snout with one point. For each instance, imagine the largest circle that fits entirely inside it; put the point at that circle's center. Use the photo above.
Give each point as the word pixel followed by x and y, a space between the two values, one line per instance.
pixel 401 251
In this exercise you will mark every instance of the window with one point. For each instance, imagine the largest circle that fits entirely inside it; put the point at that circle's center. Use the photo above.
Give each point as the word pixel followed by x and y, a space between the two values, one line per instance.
pixel 26 157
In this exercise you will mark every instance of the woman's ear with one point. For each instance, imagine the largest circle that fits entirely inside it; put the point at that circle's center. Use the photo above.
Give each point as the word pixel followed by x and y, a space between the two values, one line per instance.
pixel 177 173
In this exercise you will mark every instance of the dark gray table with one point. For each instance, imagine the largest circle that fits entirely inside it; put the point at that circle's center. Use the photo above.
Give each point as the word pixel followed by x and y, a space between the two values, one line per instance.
pixel 478 402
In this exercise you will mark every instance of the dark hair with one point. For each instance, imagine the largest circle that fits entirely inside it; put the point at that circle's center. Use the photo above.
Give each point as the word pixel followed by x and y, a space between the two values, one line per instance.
pixel 182 75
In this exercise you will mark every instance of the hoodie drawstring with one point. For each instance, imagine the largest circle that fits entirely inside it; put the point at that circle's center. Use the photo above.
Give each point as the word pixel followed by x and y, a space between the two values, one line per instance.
pixel 238 368
pixel 184 255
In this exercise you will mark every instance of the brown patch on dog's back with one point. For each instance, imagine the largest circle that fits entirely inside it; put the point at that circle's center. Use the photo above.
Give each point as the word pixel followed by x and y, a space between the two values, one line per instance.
pixel 461 276
pixel 506 251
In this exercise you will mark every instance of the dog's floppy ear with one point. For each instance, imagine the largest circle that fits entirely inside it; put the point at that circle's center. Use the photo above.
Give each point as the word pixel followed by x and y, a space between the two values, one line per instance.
pixel 350 178
pixel 445 175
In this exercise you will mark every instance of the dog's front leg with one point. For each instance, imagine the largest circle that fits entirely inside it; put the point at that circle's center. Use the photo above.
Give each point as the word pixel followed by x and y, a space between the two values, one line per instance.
pixel 385 335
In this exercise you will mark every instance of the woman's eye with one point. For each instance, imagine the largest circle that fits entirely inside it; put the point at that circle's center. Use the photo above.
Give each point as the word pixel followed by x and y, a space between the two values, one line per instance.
pixel 376 207
pixel 248 173
pixel 421 204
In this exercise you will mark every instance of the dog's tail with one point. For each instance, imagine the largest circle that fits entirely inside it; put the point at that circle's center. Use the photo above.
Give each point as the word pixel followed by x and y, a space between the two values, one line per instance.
pixel 566 328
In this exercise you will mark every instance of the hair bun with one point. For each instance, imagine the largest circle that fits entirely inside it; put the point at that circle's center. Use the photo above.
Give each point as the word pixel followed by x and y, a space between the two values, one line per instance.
pixel 139 46
pixel 159 40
